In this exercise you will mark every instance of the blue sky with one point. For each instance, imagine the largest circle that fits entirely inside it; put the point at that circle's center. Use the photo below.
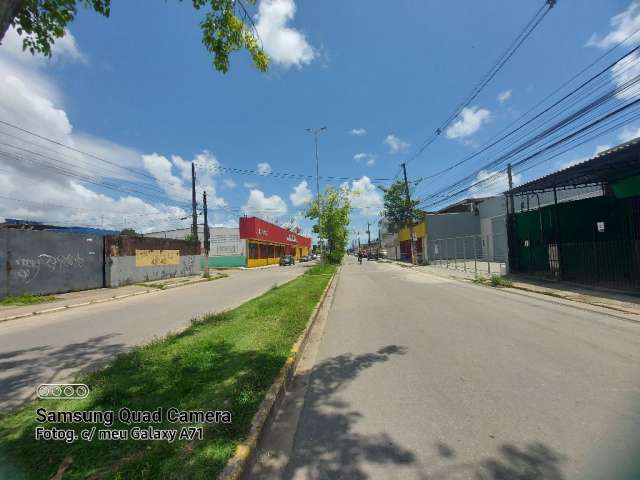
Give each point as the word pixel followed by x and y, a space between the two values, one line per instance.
pixel 138 89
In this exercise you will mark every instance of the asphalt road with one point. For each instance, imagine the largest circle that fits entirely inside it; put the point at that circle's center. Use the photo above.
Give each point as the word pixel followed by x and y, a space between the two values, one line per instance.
pixel 51 347
pixel 422 377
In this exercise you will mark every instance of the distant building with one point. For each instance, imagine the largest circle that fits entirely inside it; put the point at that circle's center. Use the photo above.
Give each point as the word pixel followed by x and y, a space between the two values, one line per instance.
pixel 41 226
pixel 267 242
pixel 226 249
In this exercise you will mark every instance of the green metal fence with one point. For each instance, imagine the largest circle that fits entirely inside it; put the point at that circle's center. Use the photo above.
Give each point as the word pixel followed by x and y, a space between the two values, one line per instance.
pixel 594 241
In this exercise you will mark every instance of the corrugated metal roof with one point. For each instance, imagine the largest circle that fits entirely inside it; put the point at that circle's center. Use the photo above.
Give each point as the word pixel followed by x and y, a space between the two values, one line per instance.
pixel 608 166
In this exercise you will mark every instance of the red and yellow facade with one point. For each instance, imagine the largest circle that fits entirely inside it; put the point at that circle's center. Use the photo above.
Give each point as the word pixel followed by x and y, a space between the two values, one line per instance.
pixel 267 242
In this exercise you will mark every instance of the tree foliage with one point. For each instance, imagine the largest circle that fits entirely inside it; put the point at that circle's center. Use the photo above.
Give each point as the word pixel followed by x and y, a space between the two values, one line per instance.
pixel 397 211
pixel 332 215
pixel 227 26
pixel 129 232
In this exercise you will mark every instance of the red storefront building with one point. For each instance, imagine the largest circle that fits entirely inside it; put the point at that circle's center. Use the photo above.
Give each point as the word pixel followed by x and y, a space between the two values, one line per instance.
pixel 266 242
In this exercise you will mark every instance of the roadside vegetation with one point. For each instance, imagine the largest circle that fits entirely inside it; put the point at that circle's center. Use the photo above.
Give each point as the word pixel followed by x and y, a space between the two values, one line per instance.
pixel 332 213
pixel 494 281
pixel 27 300
pixel 225 361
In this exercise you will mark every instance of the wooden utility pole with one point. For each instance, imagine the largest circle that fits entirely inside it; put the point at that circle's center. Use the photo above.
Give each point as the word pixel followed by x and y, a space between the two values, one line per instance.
pixel 194 214
pixel 409 216
pixel 205 273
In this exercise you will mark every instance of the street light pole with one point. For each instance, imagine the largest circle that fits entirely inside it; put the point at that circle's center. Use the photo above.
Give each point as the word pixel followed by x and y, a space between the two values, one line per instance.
pixel 316 132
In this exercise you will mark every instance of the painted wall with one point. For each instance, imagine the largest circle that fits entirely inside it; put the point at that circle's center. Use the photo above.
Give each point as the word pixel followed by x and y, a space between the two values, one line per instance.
pixel 141 259
pixel 43 262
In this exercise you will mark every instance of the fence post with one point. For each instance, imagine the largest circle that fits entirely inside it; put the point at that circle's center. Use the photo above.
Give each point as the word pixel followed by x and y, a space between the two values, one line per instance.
pixel 446 242
pixel 487 255
pixel 455 253
pixel 475 257
pixel 464 252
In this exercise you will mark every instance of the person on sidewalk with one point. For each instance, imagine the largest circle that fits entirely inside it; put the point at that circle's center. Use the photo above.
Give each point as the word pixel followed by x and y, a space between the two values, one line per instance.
pixel 360 257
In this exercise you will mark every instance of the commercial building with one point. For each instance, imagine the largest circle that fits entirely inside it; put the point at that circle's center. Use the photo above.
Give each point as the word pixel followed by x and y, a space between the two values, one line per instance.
pixel 226 249
pixel 266 242
pixel 581 223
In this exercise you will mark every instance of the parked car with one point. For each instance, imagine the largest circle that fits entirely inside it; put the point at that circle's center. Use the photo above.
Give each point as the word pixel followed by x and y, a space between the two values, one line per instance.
pixel 286 260
pixel 314 256
pixel 383 254
pixel 372 255
pixel 304 258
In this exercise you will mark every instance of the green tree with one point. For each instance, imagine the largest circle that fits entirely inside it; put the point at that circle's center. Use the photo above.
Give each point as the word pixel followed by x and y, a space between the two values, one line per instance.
pixel 227 25
pixel 190 237
pixel 398 212
pixel 129 231
pixel 332 215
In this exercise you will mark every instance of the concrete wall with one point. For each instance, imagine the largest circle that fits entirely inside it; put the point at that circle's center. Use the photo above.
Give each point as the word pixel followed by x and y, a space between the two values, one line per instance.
pixel 449 225
pixel 142 259
pixel 44 262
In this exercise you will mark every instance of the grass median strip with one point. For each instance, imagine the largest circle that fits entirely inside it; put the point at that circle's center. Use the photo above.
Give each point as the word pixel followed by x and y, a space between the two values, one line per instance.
pixel 21 300
pixel 223 362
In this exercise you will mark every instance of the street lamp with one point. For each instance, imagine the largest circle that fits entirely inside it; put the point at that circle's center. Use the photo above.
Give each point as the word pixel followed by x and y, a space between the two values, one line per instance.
pixel 316 132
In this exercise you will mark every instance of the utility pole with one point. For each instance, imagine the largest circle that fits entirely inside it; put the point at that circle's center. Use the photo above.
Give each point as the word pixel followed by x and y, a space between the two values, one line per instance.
pixel 194 214
pixel 409 217
pixel 205 274
pixel 510 175
pixel 368 235
pixel 510 212
pixel 315 132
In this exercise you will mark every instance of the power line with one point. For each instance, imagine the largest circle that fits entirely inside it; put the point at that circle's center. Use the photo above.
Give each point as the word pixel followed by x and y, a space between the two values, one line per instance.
pixel 583 114
pixel 493 71
pixel 43 137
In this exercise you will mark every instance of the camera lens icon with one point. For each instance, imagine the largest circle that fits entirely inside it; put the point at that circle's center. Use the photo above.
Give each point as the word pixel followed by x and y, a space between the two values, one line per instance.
pixel 62 391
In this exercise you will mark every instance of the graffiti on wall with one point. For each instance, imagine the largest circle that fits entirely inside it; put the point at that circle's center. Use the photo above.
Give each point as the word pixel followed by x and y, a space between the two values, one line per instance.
pixel 155 258
pixel 27 269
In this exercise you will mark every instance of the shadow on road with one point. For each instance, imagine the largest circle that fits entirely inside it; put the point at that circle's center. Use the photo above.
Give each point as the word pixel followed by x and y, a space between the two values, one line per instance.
pixel 25 372
pixel 327 445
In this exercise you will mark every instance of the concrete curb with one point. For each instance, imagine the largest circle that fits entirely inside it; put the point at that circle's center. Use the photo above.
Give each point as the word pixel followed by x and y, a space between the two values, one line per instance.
pixel 246 451
pixel 101 300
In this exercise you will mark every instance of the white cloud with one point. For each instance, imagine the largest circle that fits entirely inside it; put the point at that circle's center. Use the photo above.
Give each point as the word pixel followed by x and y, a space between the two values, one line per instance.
pixel 301 194
pixel 178 187
pixel 266 207
pixel 357 132
pixel 395 144
pixel 39 191
pixel 370 158
pixel 626 71
pixel 469 122
pixel 575 161
pixel 504 96
pixel 263 168
pixel 622 26
pixel 249 185
pixel 229 183
pixel 629 133
pixel 283 44
pixel 365 197
pixel 496 183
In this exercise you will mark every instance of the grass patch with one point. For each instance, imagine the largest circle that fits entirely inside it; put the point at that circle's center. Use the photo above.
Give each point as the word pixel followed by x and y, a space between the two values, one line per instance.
pixel 494 281
pixel 225 361
pixel 498 281
pixel 27 300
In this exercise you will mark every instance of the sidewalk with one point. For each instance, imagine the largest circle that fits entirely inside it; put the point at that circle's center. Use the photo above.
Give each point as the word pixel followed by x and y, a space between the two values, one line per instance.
pixel 98 295
pixel 608 299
